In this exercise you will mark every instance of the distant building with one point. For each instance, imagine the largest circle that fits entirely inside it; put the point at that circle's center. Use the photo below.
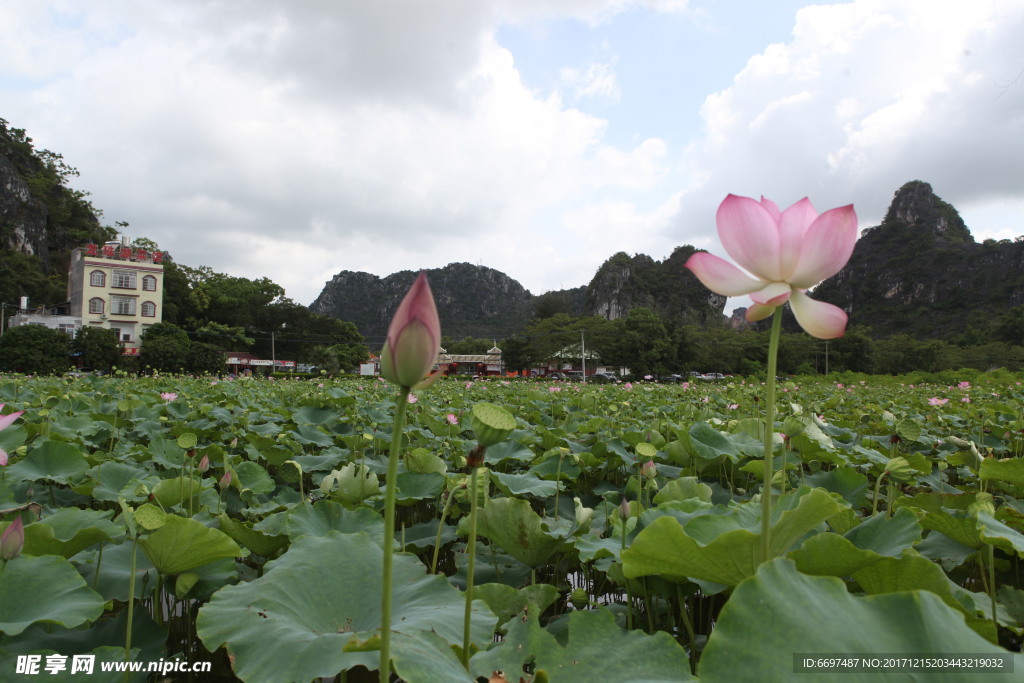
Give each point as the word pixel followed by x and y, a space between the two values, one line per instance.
pixel 114 286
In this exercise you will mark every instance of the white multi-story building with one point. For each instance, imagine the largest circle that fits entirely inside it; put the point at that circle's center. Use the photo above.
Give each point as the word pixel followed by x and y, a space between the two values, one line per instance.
pixel 114 286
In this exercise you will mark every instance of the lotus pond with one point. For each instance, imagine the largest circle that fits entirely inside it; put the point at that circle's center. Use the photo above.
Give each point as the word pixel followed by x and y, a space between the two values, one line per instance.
pixel 618 529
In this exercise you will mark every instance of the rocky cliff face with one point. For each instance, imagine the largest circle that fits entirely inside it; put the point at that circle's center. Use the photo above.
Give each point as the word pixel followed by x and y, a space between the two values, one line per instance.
pixel 626 282
pixel 41 220
pixel 921 273
pixel 471 300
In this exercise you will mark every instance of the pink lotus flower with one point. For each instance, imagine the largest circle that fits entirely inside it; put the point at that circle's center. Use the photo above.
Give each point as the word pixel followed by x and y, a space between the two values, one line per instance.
pixel 627 385
pixel 964 385
pixel 787 252
pixel 936 401
pixel 7 420
pixel 414 337
pixel 412 398
pixel 12 540
pixel 168 395
pixel 452 420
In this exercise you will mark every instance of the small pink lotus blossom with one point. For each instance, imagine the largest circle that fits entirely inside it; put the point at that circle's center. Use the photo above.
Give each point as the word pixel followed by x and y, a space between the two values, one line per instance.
pixel 965 399
pixel 168 395
pixel 685 385
pixel 469 385
pixel 452 420
pixel 734 406
pixel 648 377
pixel 964 385
pixel 649 470
pixel 936 401
pixel 627 385
pixel 12 540
pixel 787 252
pixel 412 398
pixel 554 389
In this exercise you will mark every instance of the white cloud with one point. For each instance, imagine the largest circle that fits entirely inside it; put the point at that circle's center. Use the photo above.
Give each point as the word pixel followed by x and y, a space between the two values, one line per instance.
pixel 866 96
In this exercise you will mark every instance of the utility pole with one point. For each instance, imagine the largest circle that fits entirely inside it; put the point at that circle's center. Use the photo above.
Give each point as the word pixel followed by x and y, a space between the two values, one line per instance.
pixel 583 357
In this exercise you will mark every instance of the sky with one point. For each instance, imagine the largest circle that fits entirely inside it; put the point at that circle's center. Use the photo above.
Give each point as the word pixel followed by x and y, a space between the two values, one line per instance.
pixel 296 139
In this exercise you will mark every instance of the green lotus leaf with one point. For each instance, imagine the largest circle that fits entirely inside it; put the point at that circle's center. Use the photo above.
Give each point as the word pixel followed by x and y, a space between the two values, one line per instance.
pixel 171 492
pixel 70 531
pixel 592 635
pixel 414 486
pixel 308 434
pixel 846 481
pixel 115 570
pixel 257 541
pixel 326 516
pixel 1010 470
pixel 119 480
pixel 513 525
pixel 721 548
pixel 526 484
pixel 508 450
pixel 295 622
pixel 252 476
pixel 183 543
pixel 829 554
pixel 49 460
pixel 315 415
pixel 778 614
pixel 44 589
pixel 683 488
pixel 506 601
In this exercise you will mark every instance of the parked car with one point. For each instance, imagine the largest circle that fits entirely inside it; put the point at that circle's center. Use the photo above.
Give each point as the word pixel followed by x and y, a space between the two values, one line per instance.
pixel 576 375
pixel 672 378
pixel 555 375
pixel 605 377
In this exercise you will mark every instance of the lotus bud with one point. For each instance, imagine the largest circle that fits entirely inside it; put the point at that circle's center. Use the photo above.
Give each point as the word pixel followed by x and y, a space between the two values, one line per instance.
pixel 491 423
pixel 225 481
pixel 579 598
pixel 649 470
pixel 625 511
pixel 983 503
pixel 204 463
pixel 12 540
pixel 899 469
pixel 583 514
pixel 414 337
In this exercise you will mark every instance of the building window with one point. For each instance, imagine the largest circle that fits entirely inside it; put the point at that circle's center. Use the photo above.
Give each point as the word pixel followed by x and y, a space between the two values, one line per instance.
pixel 122 305
pixel 96 305
pixel 149 284
pixel 67 328
pixel 148 309
pixel 97 278
pixel 124 279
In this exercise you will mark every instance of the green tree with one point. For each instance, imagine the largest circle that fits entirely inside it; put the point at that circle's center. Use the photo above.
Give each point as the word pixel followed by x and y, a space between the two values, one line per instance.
pixel 34 349
pixel 224 337
pixel 339 357
pixel 646 344
pixel 515 354
pixel 97 348
pixel 205 358
pixel 165 347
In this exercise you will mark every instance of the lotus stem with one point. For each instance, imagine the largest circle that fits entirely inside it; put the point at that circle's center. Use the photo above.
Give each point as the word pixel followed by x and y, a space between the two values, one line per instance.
pixel 470 568
pixel 389 533
pixel 769 440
